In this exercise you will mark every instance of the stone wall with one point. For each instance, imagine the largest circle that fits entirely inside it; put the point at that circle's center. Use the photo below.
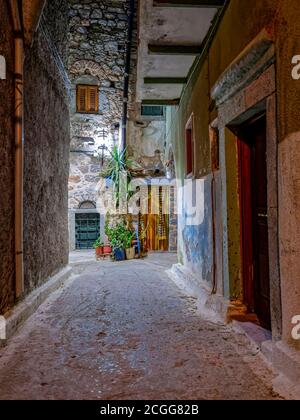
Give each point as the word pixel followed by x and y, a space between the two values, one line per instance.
pixel 46 153
pixel 288 45
pixel 6 164
pixel 97 53
pixel 97 48
pixel 84 175
pixel 145 136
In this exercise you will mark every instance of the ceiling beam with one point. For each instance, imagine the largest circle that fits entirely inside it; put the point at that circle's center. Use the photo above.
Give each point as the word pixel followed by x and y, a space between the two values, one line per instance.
pixel 166 102
pixel 160 49
pixel 189 3
pixel 165 80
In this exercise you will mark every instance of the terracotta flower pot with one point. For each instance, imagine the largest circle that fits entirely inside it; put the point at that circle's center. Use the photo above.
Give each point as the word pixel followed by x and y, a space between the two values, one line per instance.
pixel 107 249
pixel 130 253
pixel 99 251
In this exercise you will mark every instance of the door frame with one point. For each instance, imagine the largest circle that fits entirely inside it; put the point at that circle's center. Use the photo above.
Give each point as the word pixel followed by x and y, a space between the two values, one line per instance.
pixel 249 100
pixel 245 200
pixel 249 239
pixel 87 213
pixel 71 223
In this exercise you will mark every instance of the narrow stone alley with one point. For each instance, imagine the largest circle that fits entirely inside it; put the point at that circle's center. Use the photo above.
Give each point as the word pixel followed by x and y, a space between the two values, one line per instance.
pixel 149 200
pixel 125 331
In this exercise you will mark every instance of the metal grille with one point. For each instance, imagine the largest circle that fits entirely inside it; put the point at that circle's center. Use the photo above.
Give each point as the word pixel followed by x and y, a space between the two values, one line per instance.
pixel 87 230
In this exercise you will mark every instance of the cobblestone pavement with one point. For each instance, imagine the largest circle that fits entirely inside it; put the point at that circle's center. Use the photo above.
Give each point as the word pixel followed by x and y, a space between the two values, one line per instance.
pixel 124 331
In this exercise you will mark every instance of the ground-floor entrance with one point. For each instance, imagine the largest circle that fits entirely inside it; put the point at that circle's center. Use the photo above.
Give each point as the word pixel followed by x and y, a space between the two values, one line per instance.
pixel 87 229
pixel 252 149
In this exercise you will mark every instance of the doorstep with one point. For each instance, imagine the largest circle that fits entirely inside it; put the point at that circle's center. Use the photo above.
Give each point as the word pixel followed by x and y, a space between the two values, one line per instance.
pixel 259 337
pixel 284 360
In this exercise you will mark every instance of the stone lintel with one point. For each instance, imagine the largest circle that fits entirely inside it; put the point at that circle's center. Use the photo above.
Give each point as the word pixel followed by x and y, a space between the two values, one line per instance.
pixel 254 60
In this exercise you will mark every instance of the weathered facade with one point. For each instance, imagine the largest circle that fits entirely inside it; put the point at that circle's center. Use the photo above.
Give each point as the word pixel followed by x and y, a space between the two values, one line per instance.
pixel 98 39
pixel 46 150
pixel 34 235
pixel 244 73
pixel 7 246
pixel 97 51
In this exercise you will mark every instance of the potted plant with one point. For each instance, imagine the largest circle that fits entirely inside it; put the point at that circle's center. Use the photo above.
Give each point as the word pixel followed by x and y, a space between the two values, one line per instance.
pixel 129 249
pixel 107 250
pixel 116 237
pixel 98 246
pixel 119 253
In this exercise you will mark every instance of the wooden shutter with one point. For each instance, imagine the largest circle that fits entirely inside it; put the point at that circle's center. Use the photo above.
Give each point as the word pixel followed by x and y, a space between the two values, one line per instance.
pixel 81 99
pixel 93 102
pixel 87 99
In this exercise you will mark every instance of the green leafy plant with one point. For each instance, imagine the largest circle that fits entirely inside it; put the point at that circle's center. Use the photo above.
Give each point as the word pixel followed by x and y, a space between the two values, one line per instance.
pixel 128 237
pixel 99 242
pixel 114 237
pixel 120 237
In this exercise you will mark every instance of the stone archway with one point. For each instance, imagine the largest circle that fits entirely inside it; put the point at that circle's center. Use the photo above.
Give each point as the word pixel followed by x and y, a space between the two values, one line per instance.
pixel 87 205
pixel 82 67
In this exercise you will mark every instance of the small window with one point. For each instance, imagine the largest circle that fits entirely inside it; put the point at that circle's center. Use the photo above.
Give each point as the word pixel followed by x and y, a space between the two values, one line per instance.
pixel 189 147
pixel 87 99
pixel 152 111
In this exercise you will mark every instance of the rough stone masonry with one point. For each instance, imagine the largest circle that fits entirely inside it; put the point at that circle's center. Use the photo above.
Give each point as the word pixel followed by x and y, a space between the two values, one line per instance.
pixel 6 165
pixel 46 149
pixel 97 48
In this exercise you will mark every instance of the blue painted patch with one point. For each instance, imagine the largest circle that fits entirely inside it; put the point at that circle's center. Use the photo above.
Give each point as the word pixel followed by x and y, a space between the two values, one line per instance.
pixel 198 246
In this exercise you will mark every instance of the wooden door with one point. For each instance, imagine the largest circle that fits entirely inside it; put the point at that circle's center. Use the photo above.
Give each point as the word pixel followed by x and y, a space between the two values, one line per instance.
pixel 87 230
pixel 254 218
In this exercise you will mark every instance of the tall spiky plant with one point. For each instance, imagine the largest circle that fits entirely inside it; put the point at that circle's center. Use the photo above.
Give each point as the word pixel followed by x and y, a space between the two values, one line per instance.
pixel 117 170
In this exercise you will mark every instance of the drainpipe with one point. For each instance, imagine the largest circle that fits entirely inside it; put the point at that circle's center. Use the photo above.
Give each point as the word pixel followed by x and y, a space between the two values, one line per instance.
pixel 213 205
pixel 214 141
pixel 19 141
pixel 127 71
